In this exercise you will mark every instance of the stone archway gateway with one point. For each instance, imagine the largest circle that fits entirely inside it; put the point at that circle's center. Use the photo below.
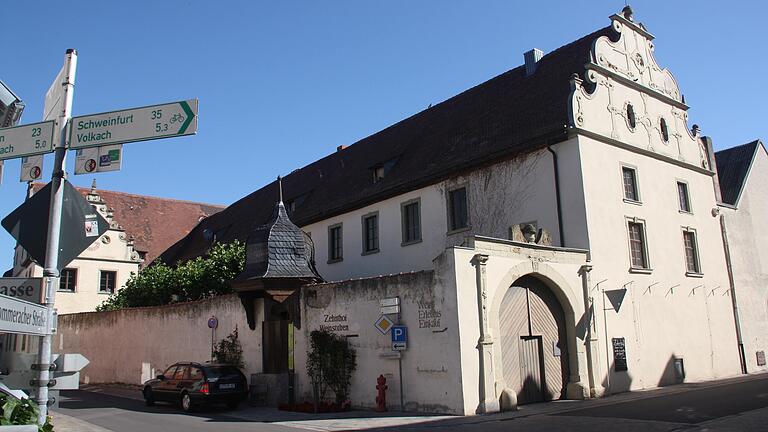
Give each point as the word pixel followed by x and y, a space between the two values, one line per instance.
pixel 533 342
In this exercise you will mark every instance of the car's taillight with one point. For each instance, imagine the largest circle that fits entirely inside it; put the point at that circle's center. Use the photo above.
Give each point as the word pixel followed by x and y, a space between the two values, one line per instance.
pixel 204 388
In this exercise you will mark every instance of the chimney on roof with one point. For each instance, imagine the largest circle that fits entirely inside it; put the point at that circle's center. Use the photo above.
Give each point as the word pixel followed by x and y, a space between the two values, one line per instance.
pixel 340 148
pixel 532 58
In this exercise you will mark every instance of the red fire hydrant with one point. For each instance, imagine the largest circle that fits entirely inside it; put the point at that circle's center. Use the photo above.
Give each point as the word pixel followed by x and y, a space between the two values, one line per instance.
pixel 381 399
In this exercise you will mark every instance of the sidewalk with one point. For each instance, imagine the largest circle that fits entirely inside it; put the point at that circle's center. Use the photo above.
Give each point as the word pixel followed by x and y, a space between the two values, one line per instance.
pixel 361 420
pixel 65 423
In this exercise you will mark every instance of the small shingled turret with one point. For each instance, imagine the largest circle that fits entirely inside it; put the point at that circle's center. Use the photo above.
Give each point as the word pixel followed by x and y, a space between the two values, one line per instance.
pixel 280 258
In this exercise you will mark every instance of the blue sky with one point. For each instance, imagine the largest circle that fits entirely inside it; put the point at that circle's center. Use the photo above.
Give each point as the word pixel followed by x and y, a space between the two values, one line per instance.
pixel 281 84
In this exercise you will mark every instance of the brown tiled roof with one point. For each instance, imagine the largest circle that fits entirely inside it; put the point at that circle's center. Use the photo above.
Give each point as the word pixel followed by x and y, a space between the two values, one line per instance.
pixel 506 116
pixel 154 223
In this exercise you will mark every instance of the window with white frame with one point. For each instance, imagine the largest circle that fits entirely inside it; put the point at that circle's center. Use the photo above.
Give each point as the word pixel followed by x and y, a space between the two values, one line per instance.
pixel 335 243
pixel 458 216
pixel 629 178
pixel 691 246
pixel 411 221
pixel 68 280
pixel 638 246
pixel 683 197
pixel 107 281
pixel 370 233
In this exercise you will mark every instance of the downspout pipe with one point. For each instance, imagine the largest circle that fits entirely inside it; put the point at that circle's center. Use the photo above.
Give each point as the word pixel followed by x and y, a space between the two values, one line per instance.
pixel 729 266
pixel 556 171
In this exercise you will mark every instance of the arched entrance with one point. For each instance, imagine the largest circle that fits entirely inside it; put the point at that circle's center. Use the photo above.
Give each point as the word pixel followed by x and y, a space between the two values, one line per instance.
pixel 534 349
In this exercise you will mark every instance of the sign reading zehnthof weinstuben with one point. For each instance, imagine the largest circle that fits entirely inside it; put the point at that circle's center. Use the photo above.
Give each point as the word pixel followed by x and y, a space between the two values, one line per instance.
pixel 137 124
pixel 27 140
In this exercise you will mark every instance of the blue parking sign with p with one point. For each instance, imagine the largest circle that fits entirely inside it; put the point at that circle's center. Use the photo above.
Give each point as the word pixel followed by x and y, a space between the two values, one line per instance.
pixel 399 334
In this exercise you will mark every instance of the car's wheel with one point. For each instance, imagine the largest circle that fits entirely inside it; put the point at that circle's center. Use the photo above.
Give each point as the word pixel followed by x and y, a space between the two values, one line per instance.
pixel 186 402
pixel 149 398
pixel 233 404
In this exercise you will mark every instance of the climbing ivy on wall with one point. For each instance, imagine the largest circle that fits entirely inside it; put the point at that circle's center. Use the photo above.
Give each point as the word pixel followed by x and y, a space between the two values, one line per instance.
pixel 229 351
pixel 330 363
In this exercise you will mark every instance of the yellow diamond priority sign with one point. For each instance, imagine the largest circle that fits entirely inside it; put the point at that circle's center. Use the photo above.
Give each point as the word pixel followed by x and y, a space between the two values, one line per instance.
pixel 383 324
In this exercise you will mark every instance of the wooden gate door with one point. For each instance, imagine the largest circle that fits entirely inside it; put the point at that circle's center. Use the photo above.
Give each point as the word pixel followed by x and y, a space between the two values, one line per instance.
pixel 531 370
pixel 275 346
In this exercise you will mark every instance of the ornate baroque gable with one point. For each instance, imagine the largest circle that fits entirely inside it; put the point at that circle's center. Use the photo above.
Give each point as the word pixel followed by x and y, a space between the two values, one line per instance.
pixel 629 98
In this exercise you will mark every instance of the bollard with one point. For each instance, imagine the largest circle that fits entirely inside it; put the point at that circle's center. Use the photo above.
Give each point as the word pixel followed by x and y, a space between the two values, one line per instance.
pixel 381 398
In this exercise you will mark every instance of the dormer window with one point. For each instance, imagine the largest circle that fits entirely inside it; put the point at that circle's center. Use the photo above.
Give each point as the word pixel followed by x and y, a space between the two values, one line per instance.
pixel 381 170
pixel 378 174
pixel 631 120
pixel 664 129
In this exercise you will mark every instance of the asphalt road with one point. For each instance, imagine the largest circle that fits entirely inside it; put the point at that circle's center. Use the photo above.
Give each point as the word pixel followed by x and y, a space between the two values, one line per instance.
pixel 734 405
pixel 121 414
pixel 691 407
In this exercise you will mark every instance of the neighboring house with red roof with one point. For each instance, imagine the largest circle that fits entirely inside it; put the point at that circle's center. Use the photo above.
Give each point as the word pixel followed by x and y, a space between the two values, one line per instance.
pixel 140 228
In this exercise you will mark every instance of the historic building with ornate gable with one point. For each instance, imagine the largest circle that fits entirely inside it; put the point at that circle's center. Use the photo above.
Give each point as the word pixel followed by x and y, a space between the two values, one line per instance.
pixel 555 232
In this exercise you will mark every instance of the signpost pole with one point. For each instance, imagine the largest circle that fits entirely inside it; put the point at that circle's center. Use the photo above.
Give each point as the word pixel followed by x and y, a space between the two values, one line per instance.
pixel 51 272
pixel 400 363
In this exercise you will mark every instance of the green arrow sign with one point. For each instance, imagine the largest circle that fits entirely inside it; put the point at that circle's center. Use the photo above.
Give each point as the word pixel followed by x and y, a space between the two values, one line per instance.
pixel 136 124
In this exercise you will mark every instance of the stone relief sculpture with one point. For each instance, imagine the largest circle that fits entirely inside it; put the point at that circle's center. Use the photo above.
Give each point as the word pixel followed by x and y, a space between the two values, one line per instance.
pixel 530 233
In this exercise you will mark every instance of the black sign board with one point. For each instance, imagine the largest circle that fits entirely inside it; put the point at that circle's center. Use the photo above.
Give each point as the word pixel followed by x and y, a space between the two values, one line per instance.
pixel 81 224
pixel 619 354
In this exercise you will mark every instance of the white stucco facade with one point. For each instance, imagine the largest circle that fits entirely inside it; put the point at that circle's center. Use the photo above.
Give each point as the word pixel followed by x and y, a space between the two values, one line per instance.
pixel 743 225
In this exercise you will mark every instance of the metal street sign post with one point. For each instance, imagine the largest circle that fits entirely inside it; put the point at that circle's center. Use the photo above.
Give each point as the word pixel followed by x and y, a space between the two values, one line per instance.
pixel 27 140
pixel 65 78
pixel 136 124
pixel 58 133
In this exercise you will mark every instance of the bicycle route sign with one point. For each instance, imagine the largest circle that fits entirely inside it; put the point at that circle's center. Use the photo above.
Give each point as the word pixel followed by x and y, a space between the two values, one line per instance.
pixel 136 124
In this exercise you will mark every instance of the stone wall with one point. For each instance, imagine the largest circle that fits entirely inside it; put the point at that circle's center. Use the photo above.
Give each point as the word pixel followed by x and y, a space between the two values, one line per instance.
pixel 133 345
pixel 431 368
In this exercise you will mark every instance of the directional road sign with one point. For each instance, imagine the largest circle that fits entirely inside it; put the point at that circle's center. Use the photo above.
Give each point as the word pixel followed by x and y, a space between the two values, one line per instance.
pixel 27 140
pixel 19 316
pixel 136 124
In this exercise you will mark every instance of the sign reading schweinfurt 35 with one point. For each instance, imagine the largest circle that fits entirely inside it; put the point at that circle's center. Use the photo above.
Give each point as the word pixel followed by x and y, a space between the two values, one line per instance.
pixel 136 124
pixel 27 140
pixel 19 316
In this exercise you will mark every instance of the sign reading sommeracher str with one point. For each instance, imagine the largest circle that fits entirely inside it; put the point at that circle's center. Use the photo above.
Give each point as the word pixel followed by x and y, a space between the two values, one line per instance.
pixel 136 124
pixel 19 316
pixel 27 140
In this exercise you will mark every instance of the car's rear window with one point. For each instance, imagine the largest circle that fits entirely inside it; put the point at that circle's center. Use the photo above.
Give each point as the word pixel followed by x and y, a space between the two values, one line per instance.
pixel 225 372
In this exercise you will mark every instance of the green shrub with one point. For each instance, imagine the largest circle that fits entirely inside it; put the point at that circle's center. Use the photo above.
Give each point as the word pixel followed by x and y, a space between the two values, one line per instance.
pixel 21 412
pixel 196 279
pixel 330 363
pixel 229 351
